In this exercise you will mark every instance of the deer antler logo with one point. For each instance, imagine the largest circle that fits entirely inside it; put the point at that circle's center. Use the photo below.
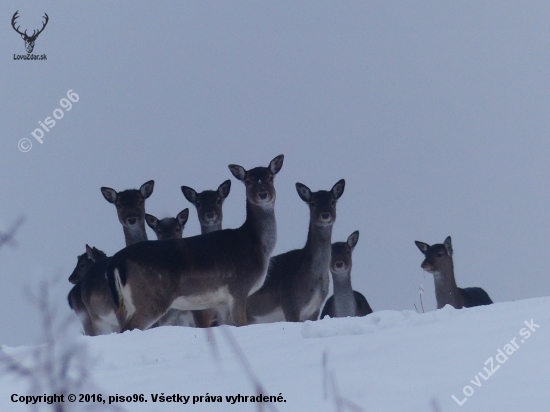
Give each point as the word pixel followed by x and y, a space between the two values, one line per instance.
pixel 29 40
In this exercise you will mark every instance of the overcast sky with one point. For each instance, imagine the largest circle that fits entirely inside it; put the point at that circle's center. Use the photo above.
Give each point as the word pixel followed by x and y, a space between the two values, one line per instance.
pixel 435 113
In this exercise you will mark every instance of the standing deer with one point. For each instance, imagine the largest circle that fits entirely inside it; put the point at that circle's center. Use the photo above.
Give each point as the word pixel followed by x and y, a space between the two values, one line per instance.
pixel 439 262
pixel 169 227
pixel 345 301
pixel 297 281
pixel 209 205
pixel 204 271
pixel 84 263
pixel 209 210
pixel 130 205
pixel 29 40
pixel 94 289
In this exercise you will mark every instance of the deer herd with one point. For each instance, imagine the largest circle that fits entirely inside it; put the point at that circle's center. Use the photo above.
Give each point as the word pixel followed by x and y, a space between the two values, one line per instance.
pixel 229 276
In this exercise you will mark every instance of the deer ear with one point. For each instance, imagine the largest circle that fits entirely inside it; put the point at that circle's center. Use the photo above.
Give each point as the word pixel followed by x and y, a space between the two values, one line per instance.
pixel 338 189
pixel 146 189
pixel 89 252
pixel 152 221
pixel 183 216
pixel 276 164
pixel 238 171
pixel 224 189
pixel 98 254
pixel 303 191
pixel 109 194
pixel 189 193
pixel 352 239
pixel 448 246
pixel 422 246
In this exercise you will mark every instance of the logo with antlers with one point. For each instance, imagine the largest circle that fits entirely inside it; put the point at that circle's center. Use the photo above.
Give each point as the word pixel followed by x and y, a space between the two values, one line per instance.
pixel 29 40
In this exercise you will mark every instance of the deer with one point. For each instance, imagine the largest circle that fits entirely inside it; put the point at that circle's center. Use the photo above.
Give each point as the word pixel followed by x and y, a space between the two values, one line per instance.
pixel 209 205
pixel 169 227
pixel 94 289
pixel 345 301
pixel 297 281
pixel 29 40
pixel 209 211
pixel 204 271
pixel 84 263
pixel 130 205
pixel 439 262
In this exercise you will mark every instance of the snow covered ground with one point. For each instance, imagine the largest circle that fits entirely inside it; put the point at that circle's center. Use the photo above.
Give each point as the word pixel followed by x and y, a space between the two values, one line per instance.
pixel 387 361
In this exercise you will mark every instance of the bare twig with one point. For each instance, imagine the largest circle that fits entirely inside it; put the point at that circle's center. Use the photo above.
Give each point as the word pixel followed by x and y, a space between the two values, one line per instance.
pixel 435 405
pixel 60 366
pixel 330 384
pixel 9 235
pixel 259 388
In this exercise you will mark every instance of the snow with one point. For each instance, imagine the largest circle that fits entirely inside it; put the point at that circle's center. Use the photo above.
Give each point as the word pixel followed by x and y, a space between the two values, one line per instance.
pixel 387 361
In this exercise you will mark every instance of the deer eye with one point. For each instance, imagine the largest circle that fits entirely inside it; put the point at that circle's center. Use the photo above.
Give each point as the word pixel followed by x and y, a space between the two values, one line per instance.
pixel 118 206
pixel 248 182
pixel 270 178
pixel 439 254
pixel 198 204
pixel 333 202
pixel 141 202
pixel 313 204
pixel 219 201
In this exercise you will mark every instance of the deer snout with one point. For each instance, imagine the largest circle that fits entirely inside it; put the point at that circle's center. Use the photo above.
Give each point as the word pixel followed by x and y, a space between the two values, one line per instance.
pixel 131 220
pixel 339 264
pixel 262 195
pixel 325 217
pixel 427 266
pixel 210 216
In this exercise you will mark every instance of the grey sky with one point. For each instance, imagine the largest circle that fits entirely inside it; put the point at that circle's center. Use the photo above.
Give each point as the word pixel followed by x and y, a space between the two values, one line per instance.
pixel 435 113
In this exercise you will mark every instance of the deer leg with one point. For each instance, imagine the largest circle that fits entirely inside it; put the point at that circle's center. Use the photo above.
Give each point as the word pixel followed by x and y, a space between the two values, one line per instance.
pixel 203 318
pixel 238 311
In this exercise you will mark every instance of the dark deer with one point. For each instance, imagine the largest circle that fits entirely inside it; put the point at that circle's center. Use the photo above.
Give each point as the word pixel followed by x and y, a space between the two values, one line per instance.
pixel 130 206
pixel 209 210
pixel 94 289
pixel 209 205
pixel 84 263
pixel 29 40
pixel 204 271
pixel 297 281
pixel 345 301
pixel 439 262
pixel 169 227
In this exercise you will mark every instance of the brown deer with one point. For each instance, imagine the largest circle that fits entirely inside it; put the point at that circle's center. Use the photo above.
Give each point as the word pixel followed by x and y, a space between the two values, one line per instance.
pixel 84 263
pixel 345 301
pixel 94 289
pixel 209 210
pixel 130 205
pixel 439 262
pixel 204 271
pixel 169 227
pixel 209 205
pixel 297 281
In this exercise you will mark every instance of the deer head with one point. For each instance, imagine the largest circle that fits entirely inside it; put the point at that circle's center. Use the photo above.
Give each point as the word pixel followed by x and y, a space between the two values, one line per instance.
pixel 29 40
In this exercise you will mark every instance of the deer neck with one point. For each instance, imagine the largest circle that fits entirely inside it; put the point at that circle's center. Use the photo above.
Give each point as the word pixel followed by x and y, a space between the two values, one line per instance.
pixel 318 249
pixel 446 291
pixel 261 225
pixel 344 301
pixel 211 228
pixel 135 234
